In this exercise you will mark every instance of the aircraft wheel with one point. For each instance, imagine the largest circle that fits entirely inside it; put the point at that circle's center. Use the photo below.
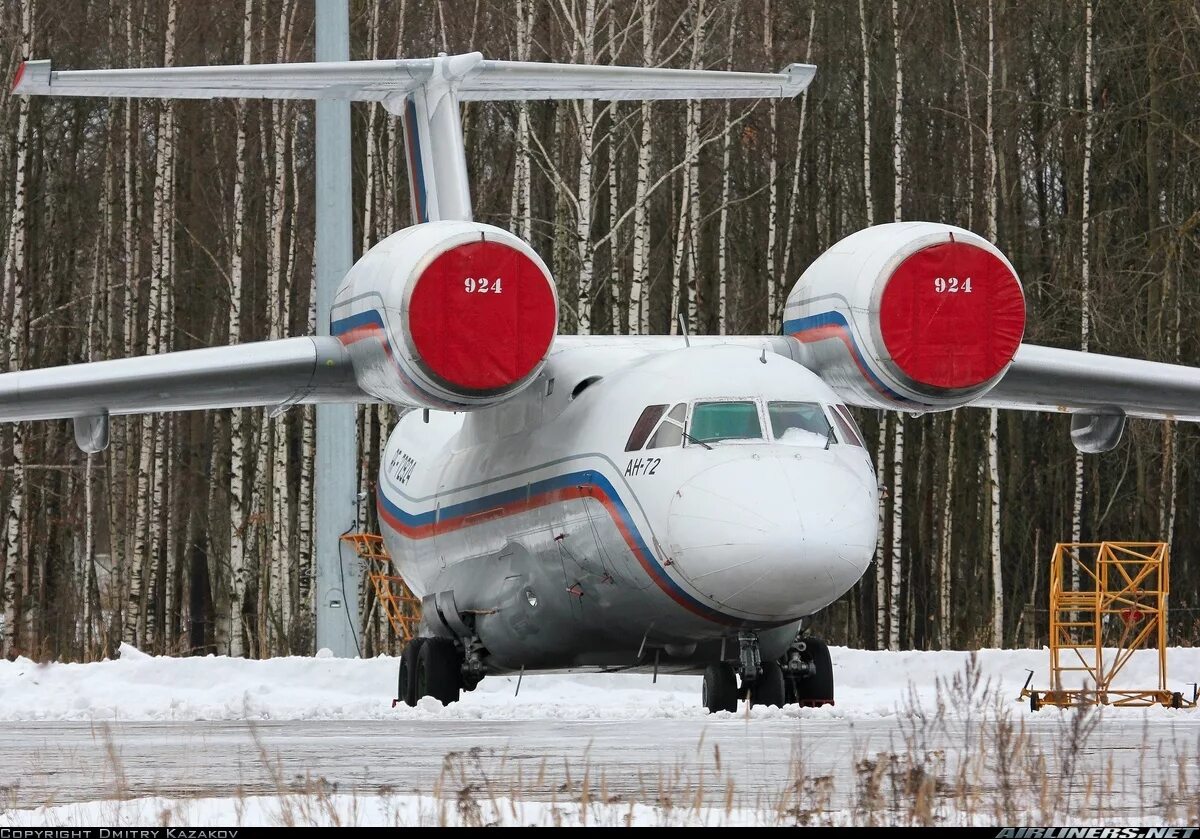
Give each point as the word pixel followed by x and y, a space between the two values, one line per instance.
pixel 768 689
pixel 720 688
pixel 817 689
pixel 438 671
pixel 406 688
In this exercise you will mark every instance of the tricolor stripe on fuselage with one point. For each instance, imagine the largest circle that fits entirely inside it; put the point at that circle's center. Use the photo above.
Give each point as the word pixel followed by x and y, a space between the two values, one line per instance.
pixel 369 324
pixel 833 325
pixel 554 490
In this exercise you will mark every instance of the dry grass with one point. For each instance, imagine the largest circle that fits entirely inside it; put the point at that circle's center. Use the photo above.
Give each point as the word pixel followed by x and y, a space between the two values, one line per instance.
pixel 968 759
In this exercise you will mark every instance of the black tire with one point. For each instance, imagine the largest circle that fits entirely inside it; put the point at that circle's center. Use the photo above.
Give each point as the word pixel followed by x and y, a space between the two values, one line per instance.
pixel 438 673
pixel 720 688
pixel 768 689
pixel 1177 700
pixel 406 684
pixel 1035 701
pixel 815 690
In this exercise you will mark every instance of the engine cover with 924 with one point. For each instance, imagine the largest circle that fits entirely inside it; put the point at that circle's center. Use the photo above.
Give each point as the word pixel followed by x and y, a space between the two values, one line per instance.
pixel 450 315
pixel 912 315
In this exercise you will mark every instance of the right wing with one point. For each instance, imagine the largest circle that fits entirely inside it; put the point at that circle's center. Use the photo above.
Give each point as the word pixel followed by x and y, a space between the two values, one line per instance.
pixel 1069 381
pixel 266 373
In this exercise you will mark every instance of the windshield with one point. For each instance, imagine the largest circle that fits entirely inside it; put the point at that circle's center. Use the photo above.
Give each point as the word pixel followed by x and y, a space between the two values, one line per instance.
pixel 716 421
pixel 799 423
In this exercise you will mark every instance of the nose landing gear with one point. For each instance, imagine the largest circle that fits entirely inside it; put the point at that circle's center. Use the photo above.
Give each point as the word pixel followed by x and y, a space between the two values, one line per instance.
pixel 803 676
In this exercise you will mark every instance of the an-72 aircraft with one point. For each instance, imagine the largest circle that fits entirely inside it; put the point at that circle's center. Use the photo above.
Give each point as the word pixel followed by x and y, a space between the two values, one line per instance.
pixel 609 502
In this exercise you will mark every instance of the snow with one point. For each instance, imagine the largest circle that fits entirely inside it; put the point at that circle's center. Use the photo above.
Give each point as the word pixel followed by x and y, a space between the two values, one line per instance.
pixel 137 686
pixel 339 810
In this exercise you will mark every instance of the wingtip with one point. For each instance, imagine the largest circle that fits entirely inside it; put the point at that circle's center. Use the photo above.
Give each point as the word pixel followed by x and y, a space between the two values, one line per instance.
pixel 16 85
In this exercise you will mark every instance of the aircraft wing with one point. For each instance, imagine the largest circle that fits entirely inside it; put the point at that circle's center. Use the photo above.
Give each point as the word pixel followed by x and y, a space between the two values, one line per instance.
pixel 1049 379
pixel 267 373
pixel 474 78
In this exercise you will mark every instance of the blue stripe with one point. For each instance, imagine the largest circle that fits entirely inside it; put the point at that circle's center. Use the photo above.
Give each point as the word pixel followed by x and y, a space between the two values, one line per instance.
pixel 593 478
pixel 837 319
pixel 370 317
pixel 416 165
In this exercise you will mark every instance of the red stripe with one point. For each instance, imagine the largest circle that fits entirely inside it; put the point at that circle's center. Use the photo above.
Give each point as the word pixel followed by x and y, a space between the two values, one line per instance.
pixel 834 330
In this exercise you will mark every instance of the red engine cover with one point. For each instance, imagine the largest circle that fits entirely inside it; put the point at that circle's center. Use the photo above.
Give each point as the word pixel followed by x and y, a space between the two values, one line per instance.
pixel 952 315
pixel 481 316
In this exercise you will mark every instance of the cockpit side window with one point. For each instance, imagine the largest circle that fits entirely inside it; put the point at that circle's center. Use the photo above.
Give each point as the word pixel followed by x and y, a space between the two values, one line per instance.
pixel 848 427
pixel 670 430
pixel 800 424
pixel 718 421
pixel 643 427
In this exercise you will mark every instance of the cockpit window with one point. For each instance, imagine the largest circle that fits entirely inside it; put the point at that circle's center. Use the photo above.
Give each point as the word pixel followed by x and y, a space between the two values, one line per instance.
pixel 848 427
pixel 670 430
pixel 716 421
pixel 643 427
pixel 800 424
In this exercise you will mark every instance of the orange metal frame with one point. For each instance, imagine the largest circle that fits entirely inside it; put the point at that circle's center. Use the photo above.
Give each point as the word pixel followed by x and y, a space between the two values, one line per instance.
pixel 1119 607
pixel 402 608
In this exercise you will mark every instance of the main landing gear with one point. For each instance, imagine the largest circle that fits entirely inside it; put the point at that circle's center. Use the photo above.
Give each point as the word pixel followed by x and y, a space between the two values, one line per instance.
pixel 803 676
pixel 437 667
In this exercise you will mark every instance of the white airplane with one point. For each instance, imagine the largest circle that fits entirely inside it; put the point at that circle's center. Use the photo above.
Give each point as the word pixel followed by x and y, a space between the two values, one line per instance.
pixel 609 502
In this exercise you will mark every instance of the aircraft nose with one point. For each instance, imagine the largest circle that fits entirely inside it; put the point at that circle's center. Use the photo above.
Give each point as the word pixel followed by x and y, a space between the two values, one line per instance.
pixel 773 538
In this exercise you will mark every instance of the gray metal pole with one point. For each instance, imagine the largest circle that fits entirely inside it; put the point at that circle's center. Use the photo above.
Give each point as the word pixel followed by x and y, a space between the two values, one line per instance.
pixel 337 569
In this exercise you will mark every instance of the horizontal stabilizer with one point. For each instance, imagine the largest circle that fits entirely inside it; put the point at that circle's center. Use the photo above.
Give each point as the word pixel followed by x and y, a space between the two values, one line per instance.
pixel 473 77
pixel 267 373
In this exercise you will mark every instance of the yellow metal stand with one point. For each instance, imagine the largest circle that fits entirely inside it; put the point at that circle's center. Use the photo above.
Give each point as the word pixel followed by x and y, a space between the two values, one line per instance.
pixel 1119 607
pixel 403 610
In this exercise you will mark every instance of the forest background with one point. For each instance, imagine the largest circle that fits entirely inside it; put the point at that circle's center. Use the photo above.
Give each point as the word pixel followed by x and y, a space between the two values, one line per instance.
pixel 1068 132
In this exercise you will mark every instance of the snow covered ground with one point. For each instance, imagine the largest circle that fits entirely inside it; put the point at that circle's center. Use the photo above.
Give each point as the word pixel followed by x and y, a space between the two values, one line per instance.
pixel 147 740
pixel 139 687
pixel 413 810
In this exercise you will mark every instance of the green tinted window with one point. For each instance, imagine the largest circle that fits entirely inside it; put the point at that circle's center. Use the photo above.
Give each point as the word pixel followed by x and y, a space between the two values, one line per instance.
pixel 712 421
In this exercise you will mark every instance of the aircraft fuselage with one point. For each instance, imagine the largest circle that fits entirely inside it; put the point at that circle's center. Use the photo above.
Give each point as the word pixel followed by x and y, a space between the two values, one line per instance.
pixel 578 525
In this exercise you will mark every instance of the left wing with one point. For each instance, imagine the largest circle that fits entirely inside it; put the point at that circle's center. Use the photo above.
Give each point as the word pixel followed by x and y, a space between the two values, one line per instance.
pixel 266 373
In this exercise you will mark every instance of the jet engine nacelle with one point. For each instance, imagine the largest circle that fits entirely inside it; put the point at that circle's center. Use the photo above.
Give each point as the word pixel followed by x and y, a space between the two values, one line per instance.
pixel 452 315
pixel 912 315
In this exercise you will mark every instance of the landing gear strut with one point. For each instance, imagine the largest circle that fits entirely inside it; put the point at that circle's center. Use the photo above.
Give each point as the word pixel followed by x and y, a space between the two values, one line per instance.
pixel 762 681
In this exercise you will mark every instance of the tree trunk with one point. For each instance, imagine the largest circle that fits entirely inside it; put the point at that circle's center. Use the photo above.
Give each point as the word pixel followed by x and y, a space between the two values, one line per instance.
pixel 15 267
pixel 793 202
pixel 866 109
pixel 897 546
pixel 945 552
pixel 639 301
pixel 993 441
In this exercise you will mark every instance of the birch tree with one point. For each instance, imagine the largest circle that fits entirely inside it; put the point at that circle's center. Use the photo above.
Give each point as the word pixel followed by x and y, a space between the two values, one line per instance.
pixel 238 418
pixel 896 570
pixel 1085 291
pixel 639 303
pixel 993 443
pixel 15 267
